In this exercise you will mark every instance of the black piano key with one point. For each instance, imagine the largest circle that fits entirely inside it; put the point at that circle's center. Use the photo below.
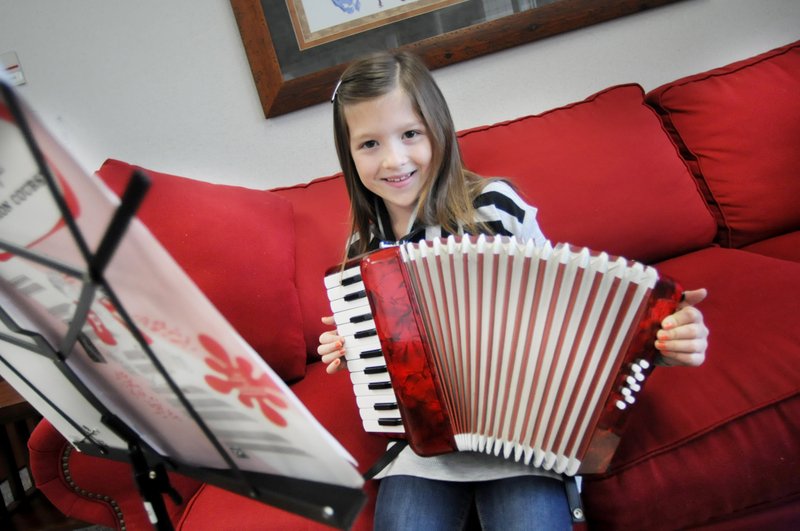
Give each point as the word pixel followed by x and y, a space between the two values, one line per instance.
pixel 351 280
pixel 379 385
pixel 356 295
pixel 378 369
pixel 385 406
pixel 390 422
pixel 365 333
pixel 361 318
pixel 375 353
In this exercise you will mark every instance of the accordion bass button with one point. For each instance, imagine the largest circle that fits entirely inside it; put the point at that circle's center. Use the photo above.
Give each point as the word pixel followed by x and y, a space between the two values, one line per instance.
pixel 632 384
pixel 621 405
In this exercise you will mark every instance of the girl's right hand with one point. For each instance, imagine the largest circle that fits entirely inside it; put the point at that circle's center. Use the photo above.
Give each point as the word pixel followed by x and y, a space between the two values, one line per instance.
pixel 331 348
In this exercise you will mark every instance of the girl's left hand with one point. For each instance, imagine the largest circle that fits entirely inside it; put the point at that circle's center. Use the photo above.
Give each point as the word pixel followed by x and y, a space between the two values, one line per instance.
pixel 683 338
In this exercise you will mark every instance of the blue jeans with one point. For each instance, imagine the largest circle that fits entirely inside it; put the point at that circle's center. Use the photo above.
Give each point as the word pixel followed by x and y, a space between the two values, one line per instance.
pixel 519 503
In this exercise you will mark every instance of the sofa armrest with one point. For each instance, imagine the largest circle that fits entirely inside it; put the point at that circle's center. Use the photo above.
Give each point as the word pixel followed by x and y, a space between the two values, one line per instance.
pixel 94 489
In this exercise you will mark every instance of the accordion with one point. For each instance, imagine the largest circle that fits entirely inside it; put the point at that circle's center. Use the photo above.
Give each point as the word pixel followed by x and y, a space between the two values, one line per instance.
pixel 494 345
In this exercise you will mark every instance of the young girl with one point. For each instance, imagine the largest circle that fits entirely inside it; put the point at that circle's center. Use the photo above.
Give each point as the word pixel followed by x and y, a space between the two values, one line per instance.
pixel 397 146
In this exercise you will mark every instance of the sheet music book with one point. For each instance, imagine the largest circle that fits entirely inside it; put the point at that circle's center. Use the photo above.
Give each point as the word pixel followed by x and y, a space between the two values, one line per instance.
pixel 261 424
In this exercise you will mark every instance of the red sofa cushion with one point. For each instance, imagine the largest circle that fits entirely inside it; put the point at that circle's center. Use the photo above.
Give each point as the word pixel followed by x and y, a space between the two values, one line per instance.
pixel 321 225
pixel 729 427
pixel 573 162
pixel 237 245
pixel 753 179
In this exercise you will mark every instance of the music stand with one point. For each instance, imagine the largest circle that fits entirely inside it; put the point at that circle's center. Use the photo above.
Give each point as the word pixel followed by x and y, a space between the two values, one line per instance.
pixel 73 350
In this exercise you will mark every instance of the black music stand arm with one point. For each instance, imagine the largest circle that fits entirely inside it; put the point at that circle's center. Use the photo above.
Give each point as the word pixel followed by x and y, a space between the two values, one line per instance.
pixel 152 480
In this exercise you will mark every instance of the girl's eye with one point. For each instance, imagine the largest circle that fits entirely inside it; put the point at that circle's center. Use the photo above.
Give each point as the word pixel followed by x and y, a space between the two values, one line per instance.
pixel 369 144
pixel 411 134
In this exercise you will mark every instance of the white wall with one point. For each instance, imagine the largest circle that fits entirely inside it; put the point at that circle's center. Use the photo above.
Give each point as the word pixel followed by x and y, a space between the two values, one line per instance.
pixel 166 85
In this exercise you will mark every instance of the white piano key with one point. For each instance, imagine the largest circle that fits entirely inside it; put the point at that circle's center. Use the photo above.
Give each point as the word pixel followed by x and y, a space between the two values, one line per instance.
pixel 361 377
pixel 363 353
pixel 374 414
pixel 340 305
pixel 339 292
pixel 335 279
pixel 385 399
pixel 353 347
pixel 364 389
pixel 349 329
pixel 362 365
pixel 357 312
pixel 373 426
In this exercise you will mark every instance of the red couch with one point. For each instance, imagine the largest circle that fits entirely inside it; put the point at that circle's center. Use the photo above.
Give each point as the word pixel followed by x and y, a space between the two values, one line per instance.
pixel 699 177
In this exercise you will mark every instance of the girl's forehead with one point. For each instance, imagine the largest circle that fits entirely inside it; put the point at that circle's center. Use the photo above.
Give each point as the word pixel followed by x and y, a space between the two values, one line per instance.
pixel 388 110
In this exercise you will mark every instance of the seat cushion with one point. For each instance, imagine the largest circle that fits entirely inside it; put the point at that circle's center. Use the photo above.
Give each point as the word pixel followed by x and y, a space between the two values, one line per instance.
pixel 739 127
pixel 237 245
pixel 603 174
pixel 730 427
pixel 785 246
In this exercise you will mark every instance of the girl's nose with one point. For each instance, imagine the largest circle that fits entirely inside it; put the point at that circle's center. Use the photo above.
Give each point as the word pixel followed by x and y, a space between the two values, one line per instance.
pixel 395 156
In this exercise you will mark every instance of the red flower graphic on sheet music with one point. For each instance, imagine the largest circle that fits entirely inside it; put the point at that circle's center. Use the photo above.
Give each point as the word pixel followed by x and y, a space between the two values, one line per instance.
pixel 238 376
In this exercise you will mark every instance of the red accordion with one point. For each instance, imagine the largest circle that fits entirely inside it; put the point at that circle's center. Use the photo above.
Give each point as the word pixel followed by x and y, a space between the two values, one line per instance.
pixel 499 346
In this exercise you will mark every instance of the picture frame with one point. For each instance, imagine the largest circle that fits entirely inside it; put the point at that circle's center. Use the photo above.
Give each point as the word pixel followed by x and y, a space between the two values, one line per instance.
pixel 318 22
pixel 288 78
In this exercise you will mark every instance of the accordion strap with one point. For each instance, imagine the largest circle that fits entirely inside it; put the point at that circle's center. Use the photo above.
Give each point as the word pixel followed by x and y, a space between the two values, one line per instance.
pixel 574 499
pixel 387 457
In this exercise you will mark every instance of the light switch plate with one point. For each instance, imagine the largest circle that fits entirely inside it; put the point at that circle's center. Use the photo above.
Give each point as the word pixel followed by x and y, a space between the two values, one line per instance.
pixel 13 68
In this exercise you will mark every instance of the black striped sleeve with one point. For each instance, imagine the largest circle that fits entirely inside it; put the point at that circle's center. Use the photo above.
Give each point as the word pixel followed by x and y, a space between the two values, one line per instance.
pixel 501 202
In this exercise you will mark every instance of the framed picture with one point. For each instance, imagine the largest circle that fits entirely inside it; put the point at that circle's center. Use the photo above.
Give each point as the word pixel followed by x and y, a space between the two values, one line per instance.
pixel 298 48
pixel 318 23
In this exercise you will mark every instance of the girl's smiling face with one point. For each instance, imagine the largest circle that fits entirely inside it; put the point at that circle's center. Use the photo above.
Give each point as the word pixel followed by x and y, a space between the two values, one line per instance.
pixel 392 152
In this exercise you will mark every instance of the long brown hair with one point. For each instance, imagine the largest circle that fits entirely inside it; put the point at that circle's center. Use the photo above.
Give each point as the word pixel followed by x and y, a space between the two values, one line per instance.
pixel 447 197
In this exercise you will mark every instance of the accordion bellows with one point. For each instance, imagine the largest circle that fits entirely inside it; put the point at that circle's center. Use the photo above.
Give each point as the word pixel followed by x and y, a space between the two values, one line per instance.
pixel 499 346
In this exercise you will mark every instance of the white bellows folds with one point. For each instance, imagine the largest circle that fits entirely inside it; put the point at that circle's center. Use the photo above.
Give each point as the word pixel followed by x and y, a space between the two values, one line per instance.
pixel 525 339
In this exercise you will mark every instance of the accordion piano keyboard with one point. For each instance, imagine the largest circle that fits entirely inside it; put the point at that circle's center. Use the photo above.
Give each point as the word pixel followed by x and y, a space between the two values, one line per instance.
pixel 374 395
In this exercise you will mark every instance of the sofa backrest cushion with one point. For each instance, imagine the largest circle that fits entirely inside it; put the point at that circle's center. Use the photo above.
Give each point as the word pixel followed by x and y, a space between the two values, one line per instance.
pixel 602 172
pixel 321 210
pixel 739 127
pixel 237 245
